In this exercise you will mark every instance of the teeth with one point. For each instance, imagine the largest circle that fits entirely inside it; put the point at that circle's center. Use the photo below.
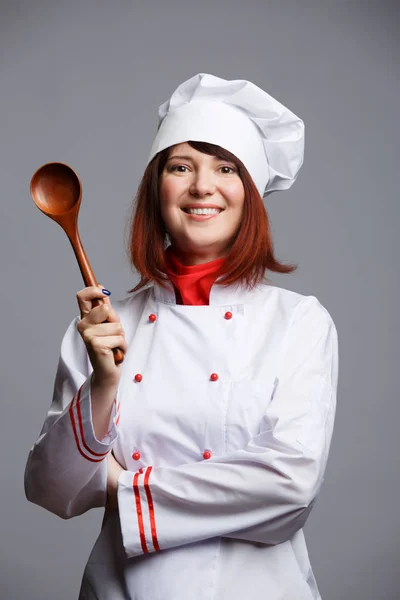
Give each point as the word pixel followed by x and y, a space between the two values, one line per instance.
pixel 202 211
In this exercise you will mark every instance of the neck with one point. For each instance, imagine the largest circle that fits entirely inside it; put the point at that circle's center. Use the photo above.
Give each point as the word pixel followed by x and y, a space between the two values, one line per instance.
pixel 190 259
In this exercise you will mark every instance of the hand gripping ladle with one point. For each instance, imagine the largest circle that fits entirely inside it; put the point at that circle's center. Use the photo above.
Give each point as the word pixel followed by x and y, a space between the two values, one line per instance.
pixel 57 192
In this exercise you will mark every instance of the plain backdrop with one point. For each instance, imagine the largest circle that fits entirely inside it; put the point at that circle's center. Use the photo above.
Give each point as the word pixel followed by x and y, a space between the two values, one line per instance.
pixel 81 82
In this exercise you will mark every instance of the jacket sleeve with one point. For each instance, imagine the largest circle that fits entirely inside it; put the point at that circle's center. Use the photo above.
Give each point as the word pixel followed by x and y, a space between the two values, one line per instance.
pixel 263 492
pixel 66 471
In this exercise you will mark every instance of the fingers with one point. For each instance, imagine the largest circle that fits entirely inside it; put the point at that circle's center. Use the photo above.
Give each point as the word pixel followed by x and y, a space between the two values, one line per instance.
pixel 85 299
pixel 101 330
pixel 98 314
pixel 103 346
pixel 102 337
pixel 88 330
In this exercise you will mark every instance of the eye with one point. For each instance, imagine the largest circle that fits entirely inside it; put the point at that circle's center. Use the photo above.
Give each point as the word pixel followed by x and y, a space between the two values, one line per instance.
pixel 176 167
pixel 181 169
pixel 231 169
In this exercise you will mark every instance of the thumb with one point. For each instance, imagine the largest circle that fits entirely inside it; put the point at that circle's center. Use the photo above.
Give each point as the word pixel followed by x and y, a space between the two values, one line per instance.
pixel 106 298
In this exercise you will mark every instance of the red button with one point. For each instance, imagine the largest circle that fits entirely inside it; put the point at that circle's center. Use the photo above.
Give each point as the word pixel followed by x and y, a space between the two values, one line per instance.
pixel 228 315
pixel 136 455
pixel 214 377
pixel 152 317
pixel 207 454
pixel 138 377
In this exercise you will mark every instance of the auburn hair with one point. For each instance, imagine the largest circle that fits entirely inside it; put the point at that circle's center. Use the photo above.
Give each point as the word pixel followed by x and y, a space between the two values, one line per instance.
pixel 251 251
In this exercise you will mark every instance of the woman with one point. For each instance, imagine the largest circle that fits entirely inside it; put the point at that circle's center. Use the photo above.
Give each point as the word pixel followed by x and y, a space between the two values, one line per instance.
pixel 221 415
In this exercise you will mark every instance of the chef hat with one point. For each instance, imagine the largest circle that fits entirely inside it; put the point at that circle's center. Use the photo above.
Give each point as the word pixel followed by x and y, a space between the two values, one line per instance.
pixel 240 117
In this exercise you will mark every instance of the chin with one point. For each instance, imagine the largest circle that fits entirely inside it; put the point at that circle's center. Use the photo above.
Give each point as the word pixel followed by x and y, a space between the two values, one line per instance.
pixel 202 246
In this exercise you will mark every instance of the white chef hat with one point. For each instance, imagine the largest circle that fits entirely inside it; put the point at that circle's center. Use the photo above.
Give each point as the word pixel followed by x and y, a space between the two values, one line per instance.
pixel 240 117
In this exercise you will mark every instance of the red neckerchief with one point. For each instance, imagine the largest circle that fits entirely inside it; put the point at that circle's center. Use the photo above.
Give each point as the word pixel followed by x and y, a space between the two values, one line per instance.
pixel 192 283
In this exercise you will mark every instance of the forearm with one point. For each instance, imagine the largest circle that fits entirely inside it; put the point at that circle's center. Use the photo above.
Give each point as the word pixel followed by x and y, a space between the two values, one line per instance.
pixel 103 396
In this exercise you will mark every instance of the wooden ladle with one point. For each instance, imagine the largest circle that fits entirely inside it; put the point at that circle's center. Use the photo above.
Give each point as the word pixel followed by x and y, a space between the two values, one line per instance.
pixel 57 192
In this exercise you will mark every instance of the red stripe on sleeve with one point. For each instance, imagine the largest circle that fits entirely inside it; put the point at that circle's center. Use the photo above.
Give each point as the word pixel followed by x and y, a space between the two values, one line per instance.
pixel 71 414
pixel 78 406
pixel 117 416
pixel 118 413
pixel 151 509
pixel 139 511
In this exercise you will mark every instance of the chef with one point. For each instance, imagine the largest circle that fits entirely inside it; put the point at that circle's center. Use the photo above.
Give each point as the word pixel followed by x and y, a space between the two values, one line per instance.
pixel 207 446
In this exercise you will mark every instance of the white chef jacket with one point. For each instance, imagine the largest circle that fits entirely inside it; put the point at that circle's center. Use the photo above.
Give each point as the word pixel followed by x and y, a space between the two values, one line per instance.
pixel 223 421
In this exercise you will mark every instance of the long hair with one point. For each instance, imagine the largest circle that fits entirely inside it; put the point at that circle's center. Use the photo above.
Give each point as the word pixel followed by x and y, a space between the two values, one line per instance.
pixel 251 252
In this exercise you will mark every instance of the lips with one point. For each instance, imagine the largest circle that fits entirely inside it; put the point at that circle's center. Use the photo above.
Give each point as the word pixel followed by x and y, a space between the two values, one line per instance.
pixel 202 217
pixel 194 206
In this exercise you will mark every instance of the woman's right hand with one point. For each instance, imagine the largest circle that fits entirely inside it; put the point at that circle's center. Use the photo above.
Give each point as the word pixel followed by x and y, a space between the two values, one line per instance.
pixel 100 338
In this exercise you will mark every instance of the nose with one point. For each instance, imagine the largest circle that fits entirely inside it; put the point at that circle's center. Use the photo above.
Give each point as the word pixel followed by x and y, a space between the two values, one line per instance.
pixel 202 184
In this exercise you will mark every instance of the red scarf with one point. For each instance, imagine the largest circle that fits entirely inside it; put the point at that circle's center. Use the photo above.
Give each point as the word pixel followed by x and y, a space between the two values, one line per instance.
pixel 192 283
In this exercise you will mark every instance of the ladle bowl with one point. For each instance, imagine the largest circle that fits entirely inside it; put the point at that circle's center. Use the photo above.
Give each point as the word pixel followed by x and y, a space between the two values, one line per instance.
pixel 56 189
pixel 57 192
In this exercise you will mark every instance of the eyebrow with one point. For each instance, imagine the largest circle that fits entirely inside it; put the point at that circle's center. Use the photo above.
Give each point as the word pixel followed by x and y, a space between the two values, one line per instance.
pixel 185 157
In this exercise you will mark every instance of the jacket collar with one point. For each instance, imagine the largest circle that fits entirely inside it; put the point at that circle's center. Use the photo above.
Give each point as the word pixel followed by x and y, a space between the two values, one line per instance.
pixel 219 295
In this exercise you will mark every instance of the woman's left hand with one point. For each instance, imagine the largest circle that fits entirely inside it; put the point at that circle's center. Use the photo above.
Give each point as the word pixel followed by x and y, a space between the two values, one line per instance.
pixel 113 472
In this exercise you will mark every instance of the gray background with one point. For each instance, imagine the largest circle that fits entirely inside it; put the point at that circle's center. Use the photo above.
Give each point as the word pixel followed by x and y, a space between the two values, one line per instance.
pixel 81 83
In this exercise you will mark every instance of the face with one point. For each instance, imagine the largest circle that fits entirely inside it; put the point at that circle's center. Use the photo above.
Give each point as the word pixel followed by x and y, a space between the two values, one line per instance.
pixel 191 182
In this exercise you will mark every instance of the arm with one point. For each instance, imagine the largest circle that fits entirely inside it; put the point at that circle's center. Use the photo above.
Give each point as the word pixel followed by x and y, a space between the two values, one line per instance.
pixel 263 492
pixel 66 471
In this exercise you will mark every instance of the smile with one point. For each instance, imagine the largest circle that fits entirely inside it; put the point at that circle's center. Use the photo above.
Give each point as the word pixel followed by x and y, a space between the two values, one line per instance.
pixel 201 214
pixel 202 211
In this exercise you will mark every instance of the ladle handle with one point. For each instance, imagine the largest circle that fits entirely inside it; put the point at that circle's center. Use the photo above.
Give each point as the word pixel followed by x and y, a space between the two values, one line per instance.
pixel 57 191
pixel 89 279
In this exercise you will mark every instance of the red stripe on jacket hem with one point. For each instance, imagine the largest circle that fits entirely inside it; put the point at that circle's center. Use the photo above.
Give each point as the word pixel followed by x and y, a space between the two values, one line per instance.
pixel 139 511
